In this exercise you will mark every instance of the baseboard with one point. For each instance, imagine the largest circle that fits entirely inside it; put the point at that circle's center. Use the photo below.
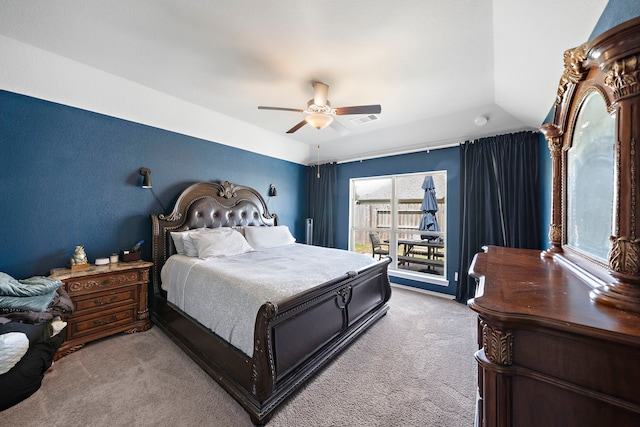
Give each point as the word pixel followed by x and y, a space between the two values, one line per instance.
pixel 423 291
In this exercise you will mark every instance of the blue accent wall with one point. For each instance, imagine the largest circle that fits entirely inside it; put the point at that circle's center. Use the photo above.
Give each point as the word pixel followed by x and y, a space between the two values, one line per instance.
pixel 616 12
pixel 69 176
pixel 447 159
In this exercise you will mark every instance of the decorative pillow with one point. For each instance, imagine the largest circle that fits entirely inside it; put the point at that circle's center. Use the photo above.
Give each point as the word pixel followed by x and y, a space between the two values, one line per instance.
pixel 268 237
pixel 183 243
pixel 178 237
pixel 220 242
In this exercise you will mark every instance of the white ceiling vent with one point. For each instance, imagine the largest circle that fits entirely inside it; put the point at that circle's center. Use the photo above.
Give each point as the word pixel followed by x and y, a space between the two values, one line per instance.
pixel 364 119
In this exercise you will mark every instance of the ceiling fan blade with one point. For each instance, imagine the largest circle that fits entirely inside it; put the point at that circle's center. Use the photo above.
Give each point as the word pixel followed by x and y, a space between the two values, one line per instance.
pixel 297 110
pixel 361 109
pixel 298 126
pixel 339 127
pixel 320 94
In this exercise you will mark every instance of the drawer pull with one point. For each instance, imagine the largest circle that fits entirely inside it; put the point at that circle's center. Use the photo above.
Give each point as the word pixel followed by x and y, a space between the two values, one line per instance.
pixel 99 323
pixel 98 302
pixel 105 282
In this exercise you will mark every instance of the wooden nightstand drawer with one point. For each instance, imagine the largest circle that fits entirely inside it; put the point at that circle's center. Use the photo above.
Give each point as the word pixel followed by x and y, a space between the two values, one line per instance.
pixel 104 301
pixel 101 323
pixel 107 299
pixel 88 285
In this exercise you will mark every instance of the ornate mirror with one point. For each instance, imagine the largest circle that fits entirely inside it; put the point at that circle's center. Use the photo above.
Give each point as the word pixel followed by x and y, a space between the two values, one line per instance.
pixel 594 141
pixel 589 188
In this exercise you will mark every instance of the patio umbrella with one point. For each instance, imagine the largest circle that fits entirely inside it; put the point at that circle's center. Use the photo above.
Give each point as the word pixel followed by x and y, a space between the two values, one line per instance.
pixel 429 208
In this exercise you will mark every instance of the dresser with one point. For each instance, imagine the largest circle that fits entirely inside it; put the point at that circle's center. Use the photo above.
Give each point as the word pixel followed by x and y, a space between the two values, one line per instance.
pixel 548 354
pixel 108 299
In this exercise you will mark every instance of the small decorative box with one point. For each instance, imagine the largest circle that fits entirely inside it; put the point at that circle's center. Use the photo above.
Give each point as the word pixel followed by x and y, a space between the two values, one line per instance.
pixel 128 255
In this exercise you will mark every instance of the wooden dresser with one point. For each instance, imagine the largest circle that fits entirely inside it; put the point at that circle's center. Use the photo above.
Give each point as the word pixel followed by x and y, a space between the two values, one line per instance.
pixel 549 355
pixel 108 299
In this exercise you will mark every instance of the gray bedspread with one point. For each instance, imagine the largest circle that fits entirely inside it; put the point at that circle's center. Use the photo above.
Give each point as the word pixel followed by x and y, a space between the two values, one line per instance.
pixel 224 294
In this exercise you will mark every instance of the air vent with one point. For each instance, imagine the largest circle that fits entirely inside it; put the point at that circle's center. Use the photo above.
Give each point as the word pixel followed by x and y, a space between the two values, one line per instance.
pixel 364 119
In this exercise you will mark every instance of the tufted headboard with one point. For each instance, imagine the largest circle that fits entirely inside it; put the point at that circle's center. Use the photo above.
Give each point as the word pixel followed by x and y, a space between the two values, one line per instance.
pixel 210 205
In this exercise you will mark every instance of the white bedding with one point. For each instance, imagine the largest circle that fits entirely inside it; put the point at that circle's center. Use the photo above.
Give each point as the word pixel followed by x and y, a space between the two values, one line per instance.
pixel 225 293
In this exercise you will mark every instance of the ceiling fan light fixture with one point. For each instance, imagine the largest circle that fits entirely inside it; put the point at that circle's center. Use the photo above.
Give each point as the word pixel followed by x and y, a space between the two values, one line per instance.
pixel 320 113
pixel 319 120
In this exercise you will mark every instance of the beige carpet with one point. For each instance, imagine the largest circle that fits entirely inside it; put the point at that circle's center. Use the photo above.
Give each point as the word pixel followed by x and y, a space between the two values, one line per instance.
pixel 414 367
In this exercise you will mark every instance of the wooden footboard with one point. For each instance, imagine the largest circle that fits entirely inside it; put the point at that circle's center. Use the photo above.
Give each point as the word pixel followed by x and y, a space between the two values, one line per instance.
pixel 295 337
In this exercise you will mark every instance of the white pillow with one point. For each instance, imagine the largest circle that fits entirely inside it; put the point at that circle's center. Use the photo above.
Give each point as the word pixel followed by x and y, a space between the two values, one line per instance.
pixel 187 241
pixel 178 240
pixel 183 243
pixel 220 242
pixel 268 237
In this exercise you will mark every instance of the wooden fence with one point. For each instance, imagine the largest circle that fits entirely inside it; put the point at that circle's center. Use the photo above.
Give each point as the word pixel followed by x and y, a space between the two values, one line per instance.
pixel 371 216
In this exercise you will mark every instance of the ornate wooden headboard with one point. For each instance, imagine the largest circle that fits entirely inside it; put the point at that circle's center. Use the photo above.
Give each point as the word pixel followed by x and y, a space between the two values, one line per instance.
pixel 206 205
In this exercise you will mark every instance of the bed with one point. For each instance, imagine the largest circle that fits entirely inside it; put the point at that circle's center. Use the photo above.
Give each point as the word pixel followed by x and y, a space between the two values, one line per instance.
pixel 294 334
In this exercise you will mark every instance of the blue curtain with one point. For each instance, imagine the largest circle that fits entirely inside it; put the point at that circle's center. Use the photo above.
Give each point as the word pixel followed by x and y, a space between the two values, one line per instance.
pixel 322 191
pixel 500 198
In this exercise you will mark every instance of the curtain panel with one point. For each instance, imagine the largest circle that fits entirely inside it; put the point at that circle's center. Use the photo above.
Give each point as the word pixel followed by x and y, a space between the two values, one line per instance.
pixel 322 183
pixel 500 198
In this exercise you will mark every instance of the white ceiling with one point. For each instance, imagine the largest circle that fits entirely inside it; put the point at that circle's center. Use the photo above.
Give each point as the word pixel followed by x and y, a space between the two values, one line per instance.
pixel 433 65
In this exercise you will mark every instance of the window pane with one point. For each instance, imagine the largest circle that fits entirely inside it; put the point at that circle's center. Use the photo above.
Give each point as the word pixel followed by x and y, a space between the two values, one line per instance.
pixel 371 211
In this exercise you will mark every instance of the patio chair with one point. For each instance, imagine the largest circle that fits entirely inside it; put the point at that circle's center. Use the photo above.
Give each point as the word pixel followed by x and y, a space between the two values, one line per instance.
pixel 377 246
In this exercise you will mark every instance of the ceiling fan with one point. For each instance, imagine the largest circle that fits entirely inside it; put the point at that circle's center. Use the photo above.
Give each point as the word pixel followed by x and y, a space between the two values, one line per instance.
pixel 319 110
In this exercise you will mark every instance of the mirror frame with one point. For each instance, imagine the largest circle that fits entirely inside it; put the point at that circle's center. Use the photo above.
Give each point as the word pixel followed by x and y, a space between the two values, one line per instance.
pixel 610 65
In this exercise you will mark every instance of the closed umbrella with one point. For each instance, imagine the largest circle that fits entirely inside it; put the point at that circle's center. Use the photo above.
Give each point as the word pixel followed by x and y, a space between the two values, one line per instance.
pixel 429 208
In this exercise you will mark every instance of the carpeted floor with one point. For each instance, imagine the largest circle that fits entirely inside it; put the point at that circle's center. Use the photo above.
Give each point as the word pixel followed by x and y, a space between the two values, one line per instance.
pixel 414 367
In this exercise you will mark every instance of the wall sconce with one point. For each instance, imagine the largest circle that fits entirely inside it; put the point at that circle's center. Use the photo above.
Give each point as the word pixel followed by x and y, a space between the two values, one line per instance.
pixel 146 180
pixel 146 183
pixel 272 190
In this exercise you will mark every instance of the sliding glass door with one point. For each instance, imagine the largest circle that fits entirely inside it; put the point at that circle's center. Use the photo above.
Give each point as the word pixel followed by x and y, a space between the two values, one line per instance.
pixel 404 216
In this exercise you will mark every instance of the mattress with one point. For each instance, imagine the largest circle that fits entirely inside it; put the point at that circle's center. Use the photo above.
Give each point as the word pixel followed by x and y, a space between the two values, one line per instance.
pixel 225 293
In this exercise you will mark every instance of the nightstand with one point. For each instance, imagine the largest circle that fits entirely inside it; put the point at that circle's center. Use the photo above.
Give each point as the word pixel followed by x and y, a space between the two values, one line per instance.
pixel 108 299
